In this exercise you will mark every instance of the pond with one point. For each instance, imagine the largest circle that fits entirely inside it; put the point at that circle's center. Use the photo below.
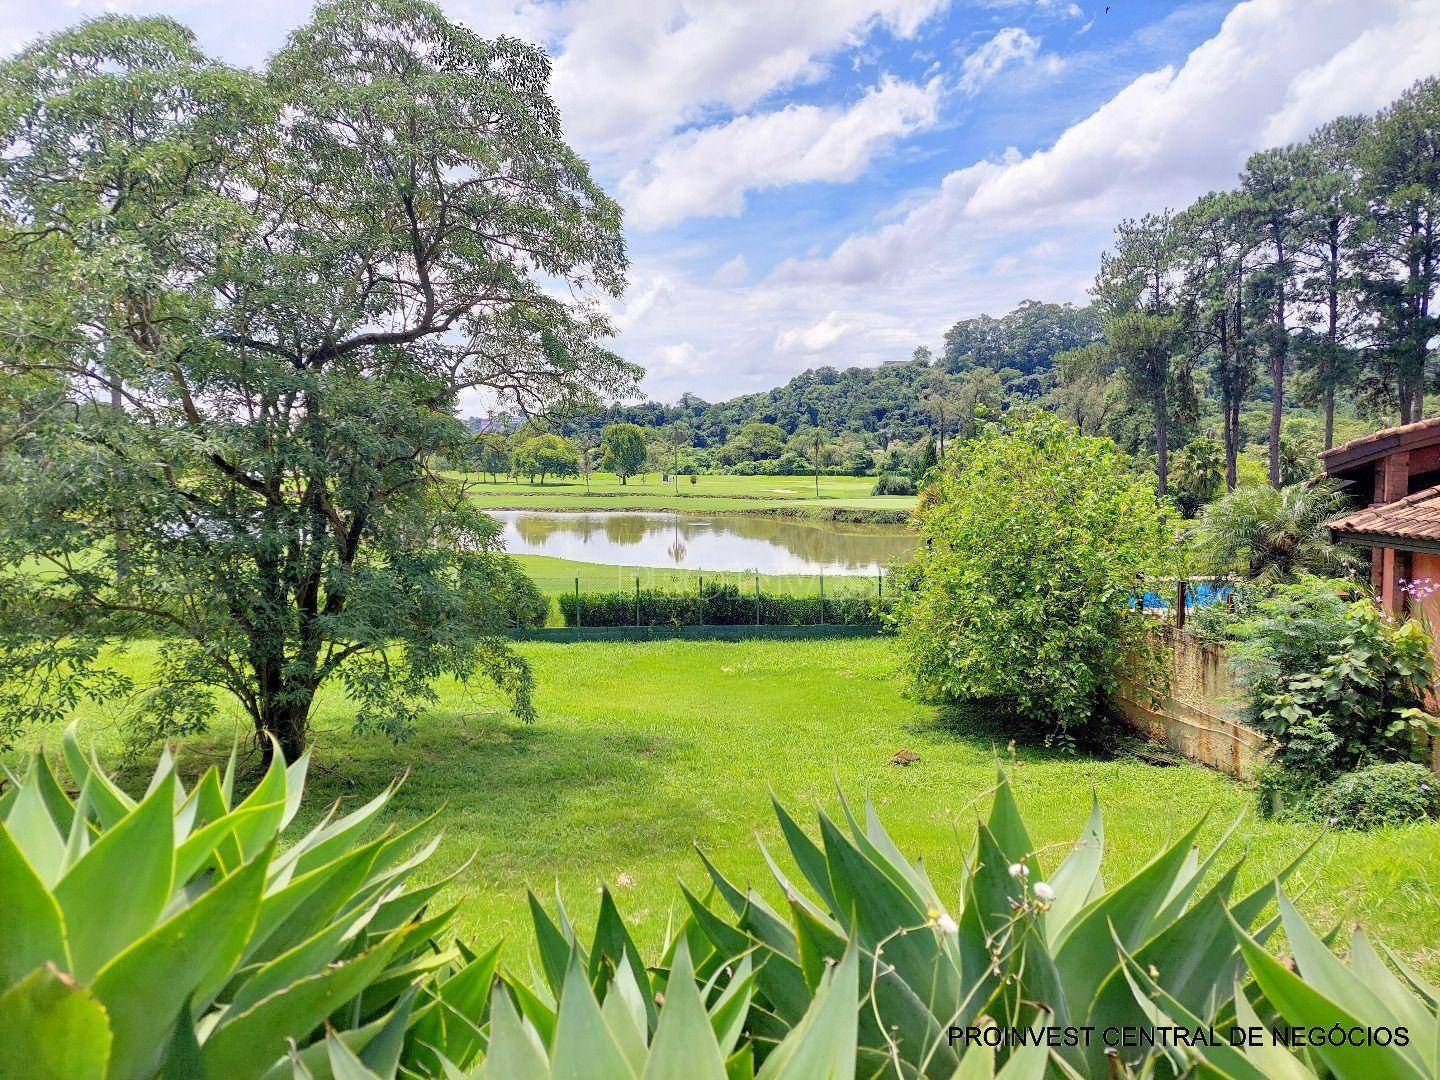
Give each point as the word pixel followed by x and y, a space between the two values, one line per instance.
pixel 765 545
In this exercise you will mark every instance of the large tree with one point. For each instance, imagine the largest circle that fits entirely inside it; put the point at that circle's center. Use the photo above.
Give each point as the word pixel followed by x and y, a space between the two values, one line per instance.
pixel 1332 210
pixel 1218 245
pixel 1270 185
pixel 1397 244
pixel 263 293
pixel 1137 288
pixel 623 450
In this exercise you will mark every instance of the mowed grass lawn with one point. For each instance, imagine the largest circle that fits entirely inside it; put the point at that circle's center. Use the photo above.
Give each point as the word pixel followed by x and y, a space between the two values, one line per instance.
pixel 709 494
pixel 642 750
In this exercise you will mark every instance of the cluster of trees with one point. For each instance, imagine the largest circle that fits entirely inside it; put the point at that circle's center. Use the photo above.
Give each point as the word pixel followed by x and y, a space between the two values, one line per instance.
pixel 984 361
pixel 628 449
pixel 1321 264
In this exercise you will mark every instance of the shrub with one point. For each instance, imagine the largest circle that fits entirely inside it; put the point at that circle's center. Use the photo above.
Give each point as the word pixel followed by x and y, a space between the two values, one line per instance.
pixel 1036 538
pixel 1396 793
pixel 1271 534
pixel 894 484
pixel 719 604
pixel 1337 684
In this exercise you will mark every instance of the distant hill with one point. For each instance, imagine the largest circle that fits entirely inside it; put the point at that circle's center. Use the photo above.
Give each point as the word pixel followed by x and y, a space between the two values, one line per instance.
pixel 895 400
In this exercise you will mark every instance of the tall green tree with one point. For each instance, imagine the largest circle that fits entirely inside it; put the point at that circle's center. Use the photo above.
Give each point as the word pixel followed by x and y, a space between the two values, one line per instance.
pixel 1087 389
pixel 1397 244
pixel 1332 209
pixel 1270 185
pixel 623 450
pixel 1218 251
pixel 284 279
pixel 1137 289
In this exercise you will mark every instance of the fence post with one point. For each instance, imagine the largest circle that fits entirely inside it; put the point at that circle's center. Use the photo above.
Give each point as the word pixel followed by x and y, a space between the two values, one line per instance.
pixel 1180 599
pixel 637 599
pixel 879 593
pixel 701 578
pixel 822 597
pixel 577 600
pixel 757 599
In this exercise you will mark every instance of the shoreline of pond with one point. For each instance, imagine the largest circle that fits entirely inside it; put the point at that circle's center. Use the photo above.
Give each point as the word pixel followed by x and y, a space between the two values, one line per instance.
pixel 838 515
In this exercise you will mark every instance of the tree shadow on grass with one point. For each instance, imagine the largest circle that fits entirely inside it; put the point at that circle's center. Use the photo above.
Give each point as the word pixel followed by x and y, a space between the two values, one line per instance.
pixel 991 722
pixel 530 799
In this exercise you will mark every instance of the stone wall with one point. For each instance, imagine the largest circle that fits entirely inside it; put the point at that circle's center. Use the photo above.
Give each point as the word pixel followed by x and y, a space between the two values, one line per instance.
pixel 1198 713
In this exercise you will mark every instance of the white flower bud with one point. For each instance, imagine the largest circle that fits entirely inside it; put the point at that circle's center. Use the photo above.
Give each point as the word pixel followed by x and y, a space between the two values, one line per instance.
pixel 1044 892
pixel 1019 870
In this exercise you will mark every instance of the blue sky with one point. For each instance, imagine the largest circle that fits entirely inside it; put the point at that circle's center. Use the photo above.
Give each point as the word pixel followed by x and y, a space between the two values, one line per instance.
pixel 834 182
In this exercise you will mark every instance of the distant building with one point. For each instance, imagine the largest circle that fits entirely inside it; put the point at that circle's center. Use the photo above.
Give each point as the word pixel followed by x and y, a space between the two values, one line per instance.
pixel 494 424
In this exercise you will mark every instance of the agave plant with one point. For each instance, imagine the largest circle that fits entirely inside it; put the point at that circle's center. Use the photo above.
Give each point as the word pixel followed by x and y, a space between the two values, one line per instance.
pixel 175 935
pixel 1169 948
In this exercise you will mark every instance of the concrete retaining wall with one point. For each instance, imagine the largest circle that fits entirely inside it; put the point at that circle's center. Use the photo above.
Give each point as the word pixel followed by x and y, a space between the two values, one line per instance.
pixel 1198 714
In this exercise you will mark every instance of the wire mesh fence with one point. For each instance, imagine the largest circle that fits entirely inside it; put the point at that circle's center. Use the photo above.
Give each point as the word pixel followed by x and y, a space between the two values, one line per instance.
pixel 702 598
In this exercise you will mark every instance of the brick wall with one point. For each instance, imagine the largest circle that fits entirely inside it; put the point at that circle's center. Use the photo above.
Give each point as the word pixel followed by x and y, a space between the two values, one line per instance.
pixel 1198 713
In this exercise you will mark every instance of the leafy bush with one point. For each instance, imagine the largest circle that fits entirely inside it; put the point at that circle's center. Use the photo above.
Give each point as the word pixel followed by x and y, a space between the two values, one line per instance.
pixel 1396 793
pixel 1337 684
pixel 894 484
pixel 1269 534
pixel 1036 538
pixel 717 604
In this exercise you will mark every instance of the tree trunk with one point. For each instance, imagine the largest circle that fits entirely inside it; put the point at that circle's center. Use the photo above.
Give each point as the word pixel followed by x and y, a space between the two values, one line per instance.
pixel 1232 444
pixel 288 721
pixel 1329 417
pixel 1277 410
pixel 1277 367
pixel 1162 444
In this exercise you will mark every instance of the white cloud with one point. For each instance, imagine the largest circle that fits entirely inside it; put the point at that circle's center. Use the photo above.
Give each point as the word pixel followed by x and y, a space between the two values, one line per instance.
pixel 642 299
pixel 672 360
pixel 733 272
pixel 631 71
pixel 706 172
pixel 819 336
pixel 1009 46
pixel 1273 69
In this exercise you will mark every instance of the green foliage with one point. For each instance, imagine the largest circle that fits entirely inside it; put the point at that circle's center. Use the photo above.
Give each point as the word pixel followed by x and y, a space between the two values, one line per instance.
pixel 262 337
pixel 1197 474
pixel 187 934
pixel 622 450
pixel 545 455
pixel 490 454
pixel 720 604
pixel 1036 539
pixel 1027 943
pixel 1337 684
pixel 1268 534
pixel 1395 793
pixel 894 484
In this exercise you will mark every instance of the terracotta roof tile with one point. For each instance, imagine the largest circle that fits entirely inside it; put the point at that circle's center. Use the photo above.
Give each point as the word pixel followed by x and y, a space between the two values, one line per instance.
pixel 1415 517
pixel 1402 433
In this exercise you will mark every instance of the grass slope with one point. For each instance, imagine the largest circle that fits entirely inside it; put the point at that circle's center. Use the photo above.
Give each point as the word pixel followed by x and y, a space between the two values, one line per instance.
pixel 642 749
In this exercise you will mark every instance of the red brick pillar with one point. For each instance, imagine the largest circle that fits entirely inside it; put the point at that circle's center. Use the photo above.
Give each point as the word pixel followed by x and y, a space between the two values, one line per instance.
pixel 1392 482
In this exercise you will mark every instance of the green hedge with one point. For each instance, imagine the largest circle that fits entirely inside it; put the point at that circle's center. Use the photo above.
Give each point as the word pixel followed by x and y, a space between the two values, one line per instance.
pixel 718 605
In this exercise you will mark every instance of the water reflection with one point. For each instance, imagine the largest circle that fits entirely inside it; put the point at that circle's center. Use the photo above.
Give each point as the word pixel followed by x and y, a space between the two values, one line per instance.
pixel 768 545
